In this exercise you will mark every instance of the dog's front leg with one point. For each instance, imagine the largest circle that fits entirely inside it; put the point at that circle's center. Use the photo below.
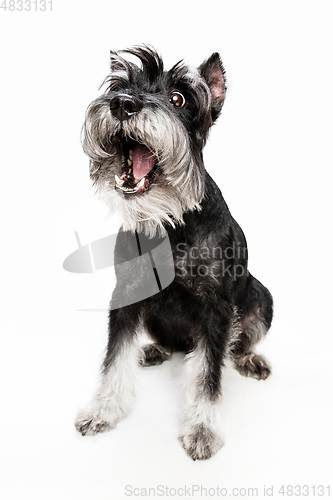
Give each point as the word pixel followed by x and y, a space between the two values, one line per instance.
pixel 200 429
pixel 113 398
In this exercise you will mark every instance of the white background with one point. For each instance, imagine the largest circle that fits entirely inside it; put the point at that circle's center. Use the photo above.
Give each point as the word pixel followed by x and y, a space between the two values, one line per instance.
pixel 271 154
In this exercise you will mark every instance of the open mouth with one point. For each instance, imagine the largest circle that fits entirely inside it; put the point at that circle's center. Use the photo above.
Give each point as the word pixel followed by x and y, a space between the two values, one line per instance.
pixel 138 164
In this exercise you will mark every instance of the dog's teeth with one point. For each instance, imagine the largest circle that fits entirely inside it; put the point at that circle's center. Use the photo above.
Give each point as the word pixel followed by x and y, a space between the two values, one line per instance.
pixel 119 182
pixel 129 162
pixel 130 154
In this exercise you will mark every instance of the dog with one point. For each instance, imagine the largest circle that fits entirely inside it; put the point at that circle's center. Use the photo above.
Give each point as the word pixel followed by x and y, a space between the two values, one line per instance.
pixel 144 136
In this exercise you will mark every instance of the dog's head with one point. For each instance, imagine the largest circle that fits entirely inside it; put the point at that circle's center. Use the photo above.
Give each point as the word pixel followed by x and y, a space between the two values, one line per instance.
pixel 145 135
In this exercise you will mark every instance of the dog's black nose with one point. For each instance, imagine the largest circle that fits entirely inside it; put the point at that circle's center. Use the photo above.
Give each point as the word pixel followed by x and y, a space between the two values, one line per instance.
pixel 123 106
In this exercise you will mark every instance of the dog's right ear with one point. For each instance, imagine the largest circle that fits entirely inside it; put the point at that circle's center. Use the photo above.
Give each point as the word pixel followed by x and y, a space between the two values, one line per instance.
pixel 213 72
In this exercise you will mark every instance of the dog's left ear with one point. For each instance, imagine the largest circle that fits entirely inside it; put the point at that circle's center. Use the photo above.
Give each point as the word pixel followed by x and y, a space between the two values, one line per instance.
pixel 213 72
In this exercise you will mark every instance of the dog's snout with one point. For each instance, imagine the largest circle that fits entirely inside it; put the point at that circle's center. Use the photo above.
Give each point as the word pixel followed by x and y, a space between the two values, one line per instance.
pixel 123 106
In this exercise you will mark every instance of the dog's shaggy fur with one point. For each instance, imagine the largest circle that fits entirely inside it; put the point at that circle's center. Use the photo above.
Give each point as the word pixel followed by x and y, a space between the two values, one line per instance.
pixel 213 308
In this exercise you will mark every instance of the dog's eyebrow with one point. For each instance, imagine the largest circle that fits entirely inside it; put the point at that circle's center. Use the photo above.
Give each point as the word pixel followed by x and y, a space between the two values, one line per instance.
pixel 151 67
pixel 178 71
pixel 152 64
pixel 115 79
pixel 182 73
pixel 117 62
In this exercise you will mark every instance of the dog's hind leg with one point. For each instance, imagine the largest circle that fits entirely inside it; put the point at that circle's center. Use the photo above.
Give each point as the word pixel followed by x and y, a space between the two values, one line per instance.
pixel 113 398
pixel 154 354
pixel 254 324
pixel 167 338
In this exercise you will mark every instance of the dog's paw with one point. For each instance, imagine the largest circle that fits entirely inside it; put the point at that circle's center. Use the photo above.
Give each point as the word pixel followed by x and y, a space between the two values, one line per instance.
pixel 253 365
pixel 201 443
pixel 92 422
pixel 154 354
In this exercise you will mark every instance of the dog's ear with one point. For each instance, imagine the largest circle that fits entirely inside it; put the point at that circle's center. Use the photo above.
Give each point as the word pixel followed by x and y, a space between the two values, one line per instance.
pixel 213 72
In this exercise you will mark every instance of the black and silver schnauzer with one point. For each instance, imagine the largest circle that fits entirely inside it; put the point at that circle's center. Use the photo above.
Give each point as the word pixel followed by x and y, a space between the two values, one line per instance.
pixel 144 137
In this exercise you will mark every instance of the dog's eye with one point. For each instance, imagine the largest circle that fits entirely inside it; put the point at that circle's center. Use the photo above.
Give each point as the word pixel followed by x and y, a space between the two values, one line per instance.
pixel 177 99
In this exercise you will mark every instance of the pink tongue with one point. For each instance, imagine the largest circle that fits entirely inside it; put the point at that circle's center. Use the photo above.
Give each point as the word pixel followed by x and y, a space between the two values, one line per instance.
pixel 143 161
